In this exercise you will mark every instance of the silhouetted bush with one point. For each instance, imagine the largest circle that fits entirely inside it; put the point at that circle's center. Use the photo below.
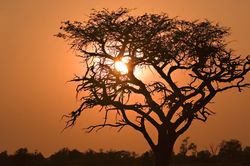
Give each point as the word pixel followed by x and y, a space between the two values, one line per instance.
pixel 22 158
pixel 146 159
pixel 230 150
pixel 203 155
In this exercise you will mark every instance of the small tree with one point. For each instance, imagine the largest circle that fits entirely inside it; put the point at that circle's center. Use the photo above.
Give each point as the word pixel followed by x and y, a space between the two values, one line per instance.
pixel 186 147
pixel 230 150
pixel 203 155
pixel 164 45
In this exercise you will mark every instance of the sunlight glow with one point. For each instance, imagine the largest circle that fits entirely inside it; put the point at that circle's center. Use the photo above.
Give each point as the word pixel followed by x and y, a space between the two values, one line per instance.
pixel 121 67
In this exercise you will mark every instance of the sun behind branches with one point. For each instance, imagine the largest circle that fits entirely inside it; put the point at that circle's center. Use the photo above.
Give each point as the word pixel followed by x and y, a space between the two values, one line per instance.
pixel 121 67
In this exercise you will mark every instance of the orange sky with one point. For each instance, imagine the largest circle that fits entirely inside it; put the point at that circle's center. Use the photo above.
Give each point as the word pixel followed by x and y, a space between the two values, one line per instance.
pixel 35 66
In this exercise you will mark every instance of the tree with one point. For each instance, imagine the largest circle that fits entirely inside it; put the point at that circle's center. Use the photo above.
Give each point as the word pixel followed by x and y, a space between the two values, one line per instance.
pixel 230 150
pixel 186 148
pixel 246 154
pixel 4 158
pixel 23 157
pixel 203 155
pixel 165 46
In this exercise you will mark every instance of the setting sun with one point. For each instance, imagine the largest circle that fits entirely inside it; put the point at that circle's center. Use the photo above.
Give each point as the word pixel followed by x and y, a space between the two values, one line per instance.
pixel 121 67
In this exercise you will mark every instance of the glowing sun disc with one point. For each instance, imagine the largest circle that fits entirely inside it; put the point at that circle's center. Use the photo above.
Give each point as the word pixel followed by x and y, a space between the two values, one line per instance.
pixel 121 67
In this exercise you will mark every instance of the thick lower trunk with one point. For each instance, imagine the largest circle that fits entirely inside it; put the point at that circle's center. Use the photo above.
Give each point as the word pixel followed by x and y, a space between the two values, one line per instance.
pixel 162 160
pixel 163 150
pixel 162 156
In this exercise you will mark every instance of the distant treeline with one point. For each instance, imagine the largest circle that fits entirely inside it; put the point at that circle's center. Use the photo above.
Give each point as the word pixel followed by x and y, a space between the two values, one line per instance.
pixel 228 153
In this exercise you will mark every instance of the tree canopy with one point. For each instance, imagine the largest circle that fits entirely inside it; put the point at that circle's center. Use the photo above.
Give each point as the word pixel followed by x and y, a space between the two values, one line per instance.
pixel 163 45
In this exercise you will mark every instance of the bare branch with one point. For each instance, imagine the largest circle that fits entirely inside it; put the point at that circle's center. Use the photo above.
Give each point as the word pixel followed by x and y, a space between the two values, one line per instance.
pixel 100 126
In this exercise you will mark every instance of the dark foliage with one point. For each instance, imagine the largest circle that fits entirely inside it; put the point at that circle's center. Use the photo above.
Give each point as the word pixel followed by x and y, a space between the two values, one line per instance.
pixel 22 158
pixel 231 153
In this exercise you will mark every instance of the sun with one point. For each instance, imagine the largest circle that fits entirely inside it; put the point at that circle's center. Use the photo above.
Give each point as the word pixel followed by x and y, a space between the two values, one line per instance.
pixel 121 67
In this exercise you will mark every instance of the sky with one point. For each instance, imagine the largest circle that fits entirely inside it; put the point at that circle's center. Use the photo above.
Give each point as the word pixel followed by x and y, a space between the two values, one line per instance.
pixel 35 67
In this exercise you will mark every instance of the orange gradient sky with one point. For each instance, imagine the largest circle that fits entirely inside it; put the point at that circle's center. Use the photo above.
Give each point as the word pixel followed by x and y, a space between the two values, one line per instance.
pixel 35 66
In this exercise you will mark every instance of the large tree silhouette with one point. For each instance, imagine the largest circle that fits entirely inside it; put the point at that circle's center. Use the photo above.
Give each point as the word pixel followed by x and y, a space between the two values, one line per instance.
pixel 165 46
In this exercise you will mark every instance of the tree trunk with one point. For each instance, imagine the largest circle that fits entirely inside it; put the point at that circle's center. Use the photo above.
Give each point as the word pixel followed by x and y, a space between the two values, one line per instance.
pixel 164 149
pixel 162 156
